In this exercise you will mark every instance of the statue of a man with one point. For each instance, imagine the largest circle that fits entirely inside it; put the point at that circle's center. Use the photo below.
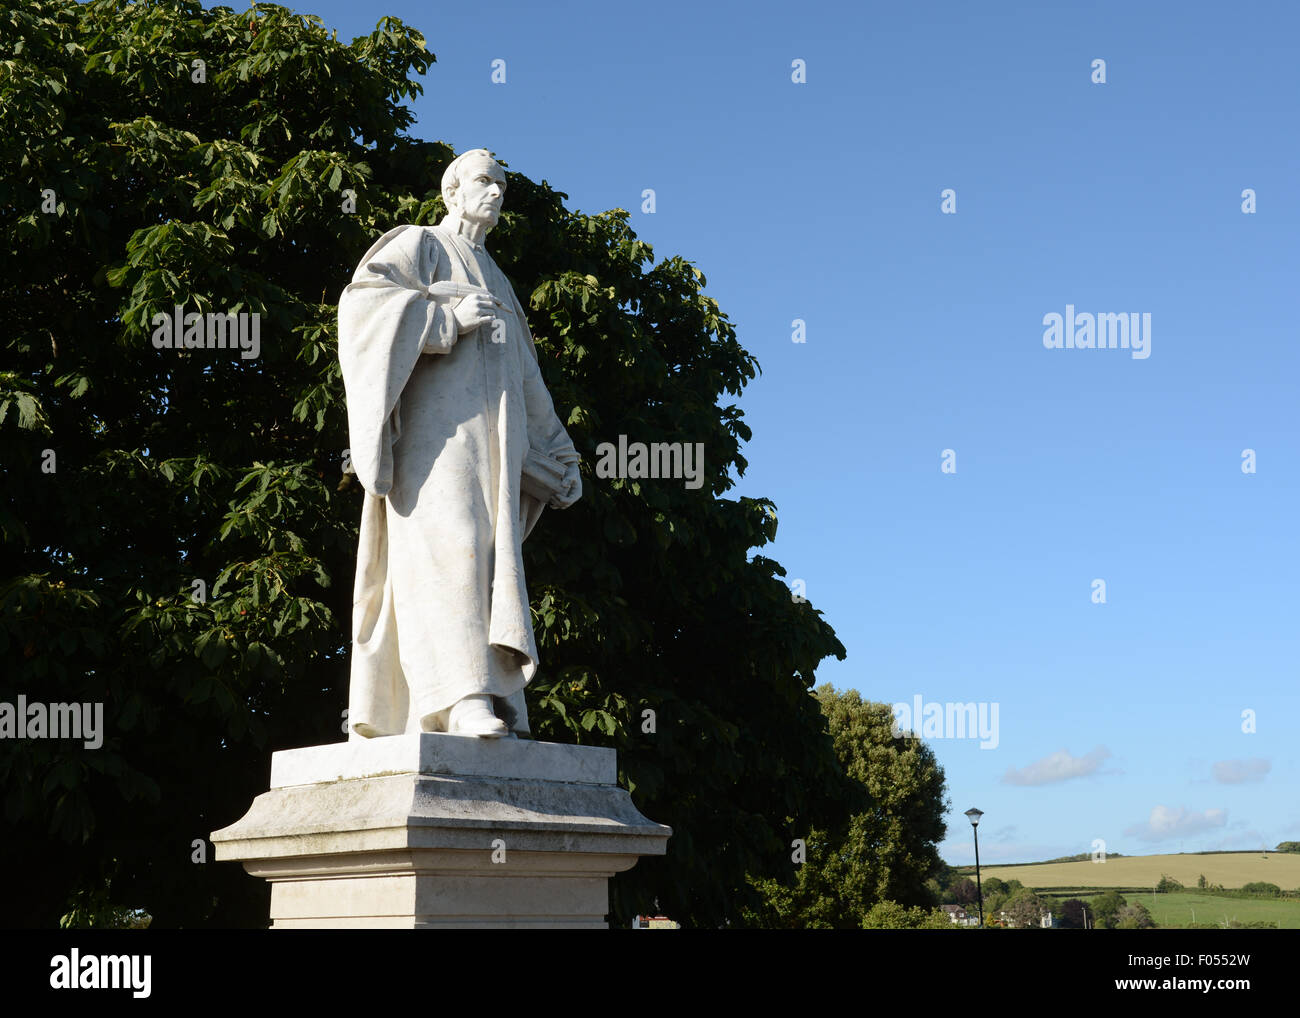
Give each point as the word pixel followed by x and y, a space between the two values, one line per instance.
pixel 457 444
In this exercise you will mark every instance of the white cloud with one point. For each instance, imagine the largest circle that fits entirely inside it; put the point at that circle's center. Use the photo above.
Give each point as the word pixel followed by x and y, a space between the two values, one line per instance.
pixel 1165 823
pixel 1060 766
pixel 1235 772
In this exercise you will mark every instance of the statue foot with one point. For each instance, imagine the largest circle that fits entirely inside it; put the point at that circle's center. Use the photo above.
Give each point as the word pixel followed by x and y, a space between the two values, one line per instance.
pixel 473 716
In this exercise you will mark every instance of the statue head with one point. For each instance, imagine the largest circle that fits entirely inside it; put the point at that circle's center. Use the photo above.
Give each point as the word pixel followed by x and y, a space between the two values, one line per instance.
pixel 474 186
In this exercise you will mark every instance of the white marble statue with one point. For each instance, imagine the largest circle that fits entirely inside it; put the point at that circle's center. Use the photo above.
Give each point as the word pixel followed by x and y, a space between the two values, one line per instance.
pixel 457 444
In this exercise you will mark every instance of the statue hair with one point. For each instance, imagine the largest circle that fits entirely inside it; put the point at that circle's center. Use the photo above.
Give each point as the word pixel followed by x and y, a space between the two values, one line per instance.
pixel 451 175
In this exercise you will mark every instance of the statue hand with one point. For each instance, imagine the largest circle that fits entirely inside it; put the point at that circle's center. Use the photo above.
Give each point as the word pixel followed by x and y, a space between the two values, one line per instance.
pixel 474 310
pixel 572 488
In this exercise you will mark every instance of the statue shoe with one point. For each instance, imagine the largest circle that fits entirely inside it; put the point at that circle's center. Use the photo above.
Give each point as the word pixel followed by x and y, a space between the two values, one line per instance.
pixel 473 716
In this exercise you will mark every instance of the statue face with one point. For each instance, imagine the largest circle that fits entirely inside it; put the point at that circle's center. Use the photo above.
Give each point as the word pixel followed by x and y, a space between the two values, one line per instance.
pixel 480 192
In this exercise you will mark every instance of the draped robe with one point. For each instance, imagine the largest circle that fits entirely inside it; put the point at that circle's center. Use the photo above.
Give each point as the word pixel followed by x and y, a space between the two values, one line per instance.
pixel 439 426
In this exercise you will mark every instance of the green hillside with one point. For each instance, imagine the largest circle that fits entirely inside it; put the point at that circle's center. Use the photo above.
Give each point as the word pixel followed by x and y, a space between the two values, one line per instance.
pixel 1227 869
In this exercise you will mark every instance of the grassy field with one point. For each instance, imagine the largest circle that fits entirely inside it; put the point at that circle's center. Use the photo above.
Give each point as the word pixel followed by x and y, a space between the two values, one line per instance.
pixel 1135 875
pixel 1228 869
pixel 1183 907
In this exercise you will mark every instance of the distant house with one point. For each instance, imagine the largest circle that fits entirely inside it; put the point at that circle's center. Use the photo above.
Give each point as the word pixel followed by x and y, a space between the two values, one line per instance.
pixel 958 916
pixel 1046 920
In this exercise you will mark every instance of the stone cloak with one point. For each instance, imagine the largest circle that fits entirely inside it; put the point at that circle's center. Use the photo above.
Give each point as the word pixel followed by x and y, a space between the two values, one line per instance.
pixel 439 428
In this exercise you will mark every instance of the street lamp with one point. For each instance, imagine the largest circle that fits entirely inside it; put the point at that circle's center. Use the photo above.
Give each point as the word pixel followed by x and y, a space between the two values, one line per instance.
pixel 973 815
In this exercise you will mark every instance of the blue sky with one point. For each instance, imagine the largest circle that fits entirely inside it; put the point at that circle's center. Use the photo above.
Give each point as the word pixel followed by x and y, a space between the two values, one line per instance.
pixel 821 201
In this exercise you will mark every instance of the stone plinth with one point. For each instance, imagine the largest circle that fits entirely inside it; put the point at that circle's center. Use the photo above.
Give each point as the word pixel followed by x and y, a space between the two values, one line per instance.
pixel 429 830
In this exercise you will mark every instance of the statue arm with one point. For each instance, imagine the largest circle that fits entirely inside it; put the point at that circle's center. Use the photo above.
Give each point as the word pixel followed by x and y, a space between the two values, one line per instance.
pixel 386 321
pixel 546 433
pixel 443 329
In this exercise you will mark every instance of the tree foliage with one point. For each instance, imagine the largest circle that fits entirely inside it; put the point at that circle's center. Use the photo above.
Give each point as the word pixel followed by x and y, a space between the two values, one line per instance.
pixel 965 891
pixel 1025 909
pixel 1071 914
pixel 1134 917
pixel 997 893
pixel 243 162
pixel 890 915
pixel 996 885
pixel 1105 909
pixel 887 850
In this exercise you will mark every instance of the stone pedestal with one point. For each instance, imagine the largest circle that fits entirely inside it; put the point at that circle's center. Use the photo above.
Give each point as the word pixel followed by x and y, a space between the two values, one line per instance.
pixel 423 831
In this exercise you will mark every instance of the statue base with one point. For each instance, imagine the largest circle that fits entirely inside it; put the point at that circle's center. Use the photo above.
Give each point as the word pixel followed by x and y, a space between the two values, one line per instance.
pixel 426 831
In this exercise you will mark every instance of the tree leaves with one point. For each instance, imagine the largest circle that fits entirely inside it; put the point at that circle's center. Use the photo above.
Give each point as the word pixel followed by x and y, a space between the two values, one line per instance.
pixel 885 849
pixel 189 563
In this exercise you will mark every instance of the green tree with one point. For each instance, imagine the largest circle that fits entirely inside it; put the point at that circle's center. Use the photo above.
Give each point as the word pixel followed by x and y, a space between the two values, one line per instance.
pixel 964 891
pixel 945 876
pixel 1105 909
pixel 1134 917
pixel 817 898
pixel 906 795
pixel 887 850
pixel 1071 914
pixel 1262 887
pixel 93 909
pixel 188 562
pixel 1288 846
pixel 993 885
pixel 890 915
pixel 1167 884
pixel 1025 909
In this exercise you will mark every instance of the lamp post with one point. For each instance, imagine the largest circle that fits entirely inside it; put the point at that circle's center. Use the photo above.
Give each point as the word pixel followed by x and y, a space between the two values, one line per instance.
pixel 973 815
